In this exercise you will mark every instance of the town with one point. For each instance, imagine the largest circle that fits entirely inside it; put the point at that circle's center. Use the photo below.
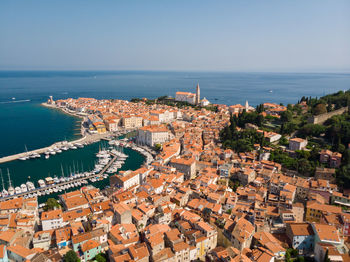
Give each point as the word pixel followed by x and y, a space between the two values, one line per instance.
pixel 227 183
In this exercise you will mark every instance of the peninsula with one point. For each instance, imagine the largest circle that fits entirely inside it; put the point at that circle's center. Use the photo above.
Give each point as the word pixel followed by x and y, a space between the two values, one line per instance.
pixel 220 183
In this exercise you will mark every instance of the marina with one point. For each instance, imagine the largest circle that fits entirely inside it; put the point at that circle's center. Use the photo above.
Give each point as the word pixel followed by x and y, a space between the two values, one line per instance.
pixel 69 182
pixel 87 165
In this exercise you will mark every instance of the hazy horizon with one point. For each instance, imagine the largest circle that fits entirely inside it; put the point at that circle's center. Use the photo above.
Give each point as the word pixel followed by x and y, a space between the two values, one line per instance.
pixel 186 36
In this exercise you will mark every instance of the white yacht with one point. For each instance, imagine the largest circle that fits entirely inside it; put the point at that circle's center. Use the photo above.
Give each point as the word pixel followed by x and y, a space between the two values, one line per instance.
pixel 4 193
pixel 41 183
pixel 24 188
pixel 30 186
pixel 18 190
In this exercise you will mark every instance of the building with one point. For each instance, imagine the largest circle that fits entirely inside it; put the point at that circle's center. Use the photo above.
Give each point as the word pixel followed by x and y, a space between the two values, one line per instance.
pixel 191 98
pixel 185 97
pixel 326 234
pixel 122 213
pixel 301 236
pixel 125 180
pixel 198 95
pixel 20 254
pixel 3 254
pixel 333 159
pixel 297 143
pixel 315 210
pixel 132 121
pixel 186 165
pixel 90 249
pixel 325 173
pixel 152 135
pixel 333 254
pixel 52 219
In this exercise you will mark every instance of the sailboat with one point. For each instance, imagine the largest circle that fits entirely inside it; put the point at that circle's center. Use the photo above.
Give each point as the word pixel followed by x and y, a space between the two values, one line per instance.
pixel 11 189
pixel 4 192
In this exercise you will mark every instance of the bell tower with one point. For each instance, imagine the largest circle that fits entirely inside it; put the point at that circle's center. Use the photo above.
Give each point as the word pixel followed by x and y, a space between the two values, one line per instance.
pixel 198 95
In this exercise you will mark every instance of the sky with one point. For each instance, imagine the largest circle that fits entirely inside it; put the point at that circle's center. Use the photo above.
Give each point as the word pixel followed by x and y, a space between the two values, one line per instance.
pixel 181 35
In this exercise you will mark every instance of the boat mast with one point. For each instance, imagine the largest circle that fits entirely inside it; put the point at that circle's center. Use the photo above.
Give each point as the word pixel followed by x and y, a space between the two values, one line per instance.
pixel 2 180
pixel 8 174
pixel 62 170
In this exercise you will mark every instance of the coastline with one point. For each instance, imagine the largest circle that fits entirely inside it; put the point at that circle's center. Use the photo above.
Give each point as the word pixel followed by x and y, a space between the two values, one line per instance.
pixel 83 139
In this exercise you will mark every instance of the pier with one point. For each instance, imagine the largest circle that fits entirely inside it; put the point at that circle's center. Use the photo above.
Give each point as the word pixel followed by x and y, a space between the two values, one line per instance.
pixel 80 179
pixel 86 140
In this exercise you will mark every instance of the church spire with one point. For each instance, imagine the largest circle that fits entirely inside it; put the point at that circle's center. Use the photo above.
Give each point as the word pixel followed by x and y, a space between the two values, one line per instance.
pixel 198 95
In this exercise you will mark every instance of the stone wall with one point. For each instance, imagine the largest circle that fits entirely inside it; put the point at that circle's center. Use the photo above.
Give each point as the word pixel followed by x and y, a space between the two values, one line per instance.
pixel 320 119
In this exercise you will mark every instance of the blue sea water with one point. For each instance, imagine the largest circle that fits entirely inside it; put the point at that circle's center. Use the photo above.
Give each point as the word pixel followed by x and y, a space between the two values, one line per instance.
pixel 24 122
pixel 28 123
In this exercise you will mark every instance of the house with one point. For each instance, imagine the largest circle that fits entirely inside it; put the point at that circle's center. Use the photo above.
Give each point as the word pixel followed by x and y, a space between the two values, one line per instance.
pixel 314 210
pixel 246 176
pixel 43 239
pixel 186 165
pixel 268 241
pixel 74 200
pixel 242 233
pixel 3 254
pixel 122 213
pixel 331 158
pixel 333 254
pixel 325 174
pixel 297 143
pixel 63 237
pixel 225 170
pixel 301 236
pixel 136 252
pixel 19 253
pixel 90 249
pixel 52 219
pixel 340 199
pixel 326 234
pixel 209 232
pixel 345 218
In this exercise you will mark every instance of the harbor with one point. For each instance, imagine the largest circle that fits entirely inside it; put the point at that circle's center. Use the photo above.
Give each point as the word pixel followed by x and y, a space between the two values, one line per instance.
pixel 72 168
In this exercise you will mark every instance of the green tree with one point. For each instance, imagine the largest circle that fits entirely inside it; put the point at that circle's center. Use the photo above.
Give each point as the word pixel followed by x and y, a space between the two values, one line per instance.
pixel 301 259
pixel 311 130
pixel 320 109
pixel 101 257
pixel 51 204
pixel 284 141
pixel 71 256
pixel 286 116
pixel 158 147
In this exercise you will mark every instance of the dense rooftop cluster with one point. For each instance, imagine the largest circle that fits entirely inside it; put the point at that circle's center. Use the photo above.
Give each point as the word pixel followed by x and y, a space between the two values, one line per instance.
pixel 196 200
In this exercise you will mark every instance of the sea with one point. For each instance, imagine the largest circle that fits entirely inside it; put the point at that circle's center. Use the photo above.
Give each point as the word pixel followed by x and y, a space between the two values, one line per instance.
pixel 26 124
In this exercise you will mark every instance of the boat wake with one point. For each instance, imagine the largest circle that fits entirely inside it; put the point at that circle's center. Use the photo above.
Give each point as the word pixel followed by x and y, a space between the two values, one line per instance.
pixel 15 101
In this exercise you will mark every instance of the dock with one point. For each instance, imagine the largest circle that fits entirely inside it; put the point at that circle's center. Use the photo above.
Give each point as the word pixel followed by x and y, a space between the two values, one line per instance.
pixel 43 189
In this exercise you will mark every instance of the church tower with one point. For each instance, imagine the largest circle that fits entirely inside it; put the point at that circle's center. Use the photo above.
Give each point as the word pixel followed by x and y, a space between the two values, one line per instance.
pixel 198 95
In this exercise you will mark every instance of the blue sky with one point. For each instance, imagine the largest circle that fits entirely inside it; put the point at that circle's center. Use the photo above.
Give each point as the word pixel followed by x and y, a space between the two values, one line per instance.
pixel 261 35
